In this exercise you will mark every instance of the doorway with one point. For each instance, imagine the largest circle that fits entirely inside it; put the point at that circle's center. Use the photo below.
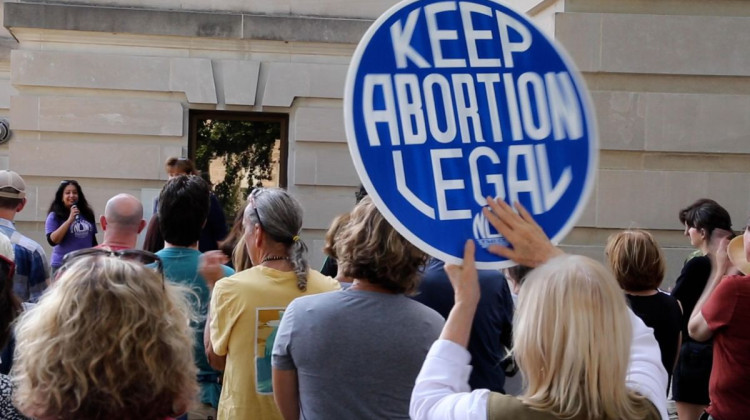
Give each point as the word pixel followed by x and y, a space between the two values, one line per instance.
pixel 237 151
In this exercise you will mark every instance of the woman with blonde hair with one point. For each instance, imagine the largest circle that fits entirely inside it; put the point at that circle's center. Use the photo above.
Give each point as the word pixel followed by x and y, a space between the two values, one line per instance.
pixel 109 340
pixel 233 246
pixel 582 353
pixel 638 264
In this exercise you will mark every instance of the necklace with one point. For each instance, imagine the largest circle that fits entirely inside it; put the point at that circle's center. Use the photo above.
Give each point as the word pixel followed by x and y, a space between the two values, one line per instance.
pixel 273 258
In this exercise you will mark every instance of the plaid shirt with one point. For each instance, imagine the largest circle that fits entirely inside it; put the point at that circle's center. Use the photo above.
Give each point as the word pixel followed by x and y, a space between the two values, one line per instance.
pixel 32 268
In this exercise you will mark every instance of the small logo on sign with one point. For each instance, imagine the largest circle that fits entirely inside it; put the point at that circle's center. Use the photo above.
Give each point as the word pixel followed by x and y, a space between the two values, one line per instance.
pixel 484 233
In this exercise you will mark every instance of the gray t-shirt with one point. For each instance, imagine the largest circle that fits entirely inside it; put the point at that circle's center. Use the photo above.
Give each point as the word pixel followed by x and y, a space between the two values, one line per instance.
pixel 357 353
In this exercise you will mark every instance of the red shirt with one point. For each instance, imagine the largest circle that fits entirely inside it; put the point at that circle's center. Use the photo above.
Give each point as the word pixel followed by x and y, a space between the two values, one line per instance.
pixel 727 313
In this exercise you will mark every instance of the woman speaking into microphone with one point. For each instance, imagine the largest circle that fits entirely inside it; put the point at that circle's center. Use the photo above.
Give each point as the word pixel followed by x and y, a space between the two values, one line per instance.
pixel 70 224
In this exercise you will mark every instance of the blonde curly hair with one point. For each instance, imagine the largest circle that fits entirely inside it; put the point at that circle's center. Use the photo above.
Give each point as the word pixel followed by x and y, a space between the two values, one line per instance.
pixel 108 340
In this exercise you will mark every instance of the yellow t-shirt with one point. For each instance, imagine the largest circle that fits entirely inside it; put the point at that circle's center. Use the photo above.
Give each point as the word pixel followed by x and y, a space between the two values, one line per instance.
pixel 246 309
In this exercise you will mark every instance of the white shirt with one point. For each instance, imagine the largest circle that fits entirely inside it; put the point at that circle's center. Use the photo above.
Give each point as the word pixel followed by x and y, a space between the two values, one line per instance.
pixel 442 388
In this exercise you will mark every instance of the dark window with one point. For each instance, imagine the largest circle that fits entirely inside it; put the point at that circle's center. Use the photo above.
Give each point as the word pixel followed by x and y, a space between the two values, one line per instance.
pixel 236 151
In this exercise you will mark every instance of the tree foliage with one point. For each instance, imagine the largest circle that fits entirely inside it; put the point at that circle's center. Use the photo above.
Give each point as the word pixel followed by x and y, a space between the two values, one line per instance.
pixel 245 147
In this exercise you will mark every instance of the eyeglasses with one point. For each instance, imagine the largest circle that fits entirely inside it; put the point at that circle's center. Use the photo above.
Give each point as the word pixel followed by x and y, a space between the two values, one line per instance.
pixel 8 266
pixel 69 181
pixel 148 259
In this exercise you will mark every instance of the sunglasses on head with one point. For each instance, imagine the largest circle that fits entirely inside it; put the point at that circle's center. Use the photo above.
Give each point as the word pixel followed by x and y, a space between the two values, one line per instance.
pixel 148 259
pixel 251 198
pixel 69 181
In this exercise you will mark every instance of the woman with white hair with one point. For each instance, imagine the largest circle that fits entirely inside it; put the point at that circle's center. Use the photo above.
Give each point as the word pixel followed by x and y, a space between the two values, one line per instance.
pixel 583 354
pixel 246 308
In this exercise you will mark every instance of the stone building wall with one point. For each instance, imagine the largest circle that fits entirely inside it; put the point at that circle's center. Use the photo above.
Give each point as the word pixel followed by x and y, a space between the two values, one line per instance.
pixel 670 83
pixel 100 91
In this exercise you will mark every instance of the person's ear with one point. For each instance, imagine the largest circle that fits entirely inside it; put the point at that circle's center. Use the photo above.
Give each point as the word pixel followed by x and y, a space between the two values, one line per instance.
pixel 103 222
pixel 21 205
pixel 142 225
pixel 259 236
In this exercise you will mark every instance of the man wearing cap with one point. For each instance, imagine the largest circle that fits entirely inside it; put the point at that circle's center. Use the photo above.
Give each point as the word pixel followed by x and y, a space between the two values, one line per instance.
pixel 723 312
pixel 32 268
pixel 122 222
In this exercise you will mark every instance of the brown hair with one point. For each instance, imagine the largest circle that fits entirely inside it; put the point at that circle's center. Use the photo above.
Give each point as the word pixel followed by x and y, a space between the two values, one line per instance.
pixel 636 260
pixel 183 165
pixel 7 202
pixel 334 234
pixel 370 249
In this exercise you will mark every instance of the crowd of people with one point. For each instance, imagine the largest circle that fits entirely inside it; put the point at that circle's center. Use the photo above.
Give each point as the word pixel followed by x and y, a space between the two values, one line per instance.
pixel 198 325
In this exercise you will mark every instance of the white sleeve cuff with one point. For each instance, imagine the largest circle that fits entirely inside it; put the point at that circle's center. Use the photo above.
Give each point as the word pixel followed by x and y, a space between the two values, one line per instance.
pixel 442 389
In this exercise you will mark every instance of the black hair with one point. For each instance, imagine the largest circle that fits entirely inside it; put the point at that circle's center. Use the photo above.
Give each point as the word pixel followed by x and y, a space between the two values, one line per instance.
pixel 183 209
pixel 360 193
pixel 706 214
pixel 61 212
pixel 153 241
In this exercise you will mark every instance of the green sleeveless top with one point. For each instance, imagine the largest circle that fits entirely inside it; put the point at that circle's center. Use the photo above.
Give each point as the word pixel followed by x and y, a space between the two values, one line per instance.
pixel 502 407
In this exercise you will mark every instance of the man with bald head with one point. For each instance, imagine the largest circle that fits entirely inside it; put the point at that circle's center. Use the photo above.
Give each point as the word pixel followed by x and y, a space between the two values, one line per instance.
pixel 122 222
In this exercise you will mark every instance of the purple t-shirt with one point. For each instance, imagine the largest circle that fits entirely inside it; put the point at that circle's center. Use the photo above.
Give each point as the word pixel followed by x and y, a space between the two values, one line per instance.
pixel 80 235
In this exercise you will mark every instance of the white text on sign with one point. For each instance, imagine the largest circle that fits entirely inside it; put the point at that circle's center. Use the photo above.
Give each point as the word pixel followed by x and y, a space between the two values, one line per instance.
pixel 415 109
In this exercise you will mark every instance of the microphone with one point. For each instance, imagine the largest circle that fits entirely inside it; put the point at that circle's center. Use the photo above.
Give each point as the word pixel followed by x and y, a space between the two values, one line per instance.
pixel 75 206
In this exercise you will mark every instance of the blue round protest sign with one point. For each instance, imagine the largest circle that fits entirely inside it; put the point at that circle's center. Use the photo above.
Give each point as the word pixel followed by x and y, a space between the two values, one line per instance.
pixel 448 102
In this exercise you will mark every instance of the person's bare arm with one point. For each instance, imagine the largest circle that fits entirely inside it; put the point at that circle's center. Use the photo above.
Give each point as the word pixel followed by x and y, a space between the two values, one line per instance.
pixel 465 282
pixel 697 326
pixel 210 267
pixel 531 246
pixel 58 234
pixel 286 392
pixel 217 362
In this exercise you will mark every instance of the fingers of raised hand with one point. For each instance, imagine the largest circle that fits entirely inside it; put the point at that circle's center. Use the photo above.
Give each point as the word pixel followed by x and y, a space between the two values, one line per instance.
pixel 528 218
pixel 464 278
pixel 502 251
pixel 469 255
pixel 500 216
pixel 456 272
